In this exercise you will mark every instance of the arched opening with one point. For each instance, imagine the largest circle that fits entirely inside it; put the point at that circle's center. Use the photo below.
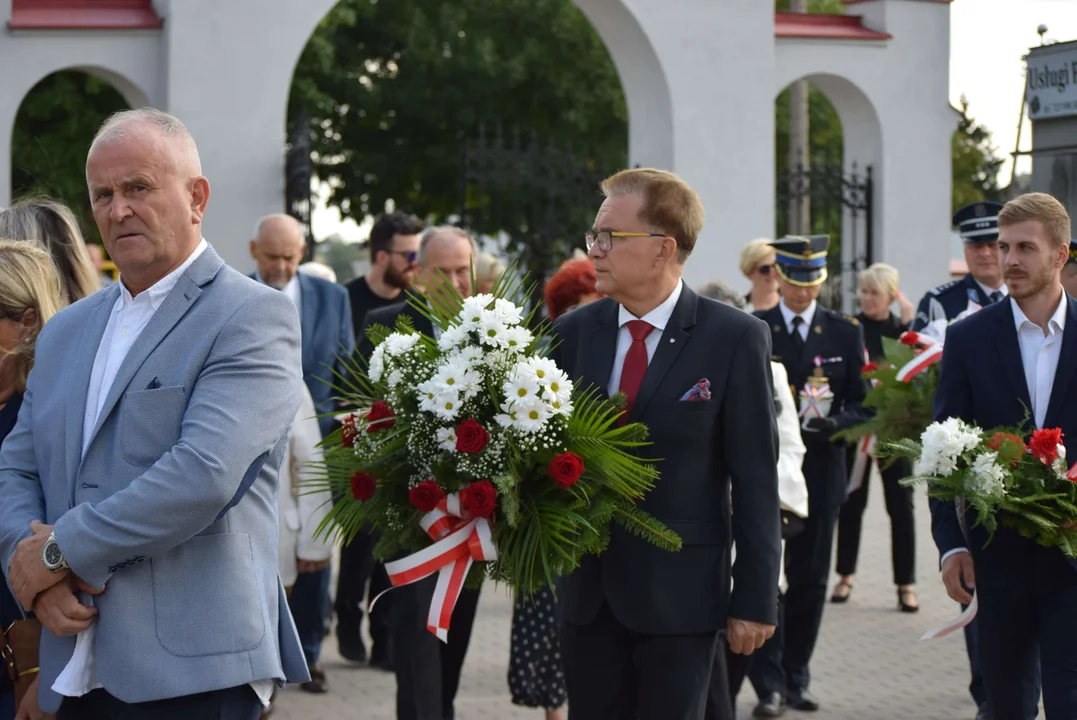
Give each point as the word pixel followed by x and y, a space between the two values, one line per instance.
pixel 498 116
pixel 54 125
pixel 828 185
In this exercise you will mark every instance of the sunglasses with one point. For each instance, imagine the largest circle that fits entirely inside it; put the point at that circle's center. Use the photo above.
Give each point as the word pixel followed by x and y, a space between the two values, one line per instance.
pixel 764 270
pixel 411 257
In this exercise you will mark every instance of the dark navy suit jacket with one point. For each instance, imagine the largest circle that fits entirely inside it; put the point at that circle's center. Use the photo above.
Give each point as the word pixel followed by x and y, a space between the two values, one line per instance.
pixel 983 382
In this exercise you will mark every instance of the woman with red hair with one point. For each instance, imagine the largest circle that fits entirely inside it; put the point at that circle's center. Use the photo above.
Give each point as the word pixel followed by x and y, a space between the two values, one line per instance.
pixel 571 286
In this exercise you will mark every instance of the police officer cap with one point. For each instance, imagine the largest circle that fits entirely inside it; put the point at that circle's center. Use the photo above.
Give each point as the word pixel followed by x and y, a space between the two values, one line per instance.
pixel 801 259
pixel 978 222
pixel 1073 251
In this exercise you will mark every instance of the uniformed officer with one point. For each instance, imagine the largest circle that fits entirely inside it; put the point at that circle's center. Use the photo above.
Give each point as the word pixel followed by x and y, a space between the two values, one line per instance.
pixel 817 346
pixel 1069 272
pixel 978 225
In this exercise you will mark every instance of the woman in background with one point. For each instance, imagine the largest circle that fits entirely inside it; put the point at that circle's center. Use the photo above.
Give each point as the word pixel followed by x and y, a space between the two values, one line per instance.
pixel 54 227
pixel 757 264
pixel 29 296
pixel 879 289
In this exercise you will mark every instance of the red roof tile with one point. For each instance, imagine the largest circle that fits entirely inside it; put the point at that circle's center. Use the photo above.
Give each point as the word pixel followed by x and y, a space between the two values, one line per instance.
pixel 83 15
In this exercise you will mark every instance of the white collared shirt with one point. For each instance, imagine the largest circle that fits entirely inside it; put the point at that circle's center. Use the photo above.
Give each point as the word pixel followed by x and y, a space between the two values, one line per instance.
pixel 989 291
pixel 292 290
pixel 1040 351
pixel 807 316
pixel 657 318
pixel 129 317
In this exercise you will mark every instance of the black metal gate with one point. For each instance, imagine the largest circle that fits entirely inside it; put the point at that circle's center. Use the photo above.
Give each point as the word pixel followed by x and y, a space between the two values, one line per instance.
pixel 839 205
pixel 538 197
pixel 297 178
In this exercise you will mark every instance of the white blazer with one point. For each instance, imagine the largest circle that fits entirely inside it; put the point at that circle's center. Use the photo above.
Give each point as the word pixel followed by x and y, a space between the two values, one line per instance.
pixel 792 488
pixel 299 510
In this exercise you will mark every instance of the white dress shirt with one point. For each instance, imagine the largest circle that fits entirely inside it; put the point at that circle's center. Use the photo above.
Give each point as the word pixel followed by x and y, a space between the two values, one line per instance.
pixel 807 316
pixel 292 290
pixel 988 292
pixel 657 318
pixel 130 315
pixel 1040 351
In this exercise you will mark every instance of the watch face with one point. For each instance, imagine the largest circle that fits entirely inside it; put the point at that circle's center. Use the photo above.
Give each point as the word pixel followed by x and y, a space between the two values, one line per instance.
pixel 53 556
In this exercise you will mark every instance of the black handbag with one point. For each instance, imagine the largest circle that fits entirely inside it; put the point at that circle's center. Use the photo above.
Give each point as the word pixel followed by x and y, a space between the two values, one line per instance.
pixel 792 524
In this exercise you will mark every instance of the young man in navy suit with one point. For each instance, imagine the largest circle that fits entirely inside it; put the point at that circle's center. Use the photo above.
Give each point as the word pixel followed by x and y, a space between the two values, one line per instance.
pixel 1026 593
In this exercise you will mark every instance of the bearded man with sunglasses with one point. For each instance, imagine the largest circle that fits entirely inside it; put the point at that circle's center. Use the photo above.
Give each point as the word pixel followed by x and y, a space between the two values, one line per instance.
pixel 641 623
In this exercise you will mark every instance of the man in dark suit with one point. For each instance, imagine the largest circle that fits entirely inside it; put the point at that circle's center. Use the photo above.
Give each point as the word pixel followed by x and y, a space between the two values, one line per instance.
pixel 642 623
pixel 1026 593
pixel 817 347
pixel 427 670
pixel 326 325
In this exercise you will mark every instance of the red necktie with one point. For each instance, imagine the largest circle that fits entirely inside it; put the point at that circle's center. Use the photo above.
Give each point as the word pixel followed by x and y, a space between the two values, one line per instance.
pixel 635 365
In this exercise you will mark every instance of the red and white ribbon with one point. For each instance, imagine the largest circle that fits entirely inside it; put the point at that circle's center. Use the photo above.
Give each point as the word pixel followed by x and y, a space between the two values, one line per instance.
pixel 812 397
pixel 931 355
pixel 865 450
pixel 459 541
pixel 952 625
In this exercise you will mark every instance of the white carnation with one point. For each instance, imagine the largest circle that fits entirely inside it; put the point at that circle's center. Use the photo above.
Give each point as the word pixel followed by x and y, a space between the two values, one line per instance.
pixel 376 367
pixel 987 477
pixel 943 444
pixel 395 378
pixel 399 343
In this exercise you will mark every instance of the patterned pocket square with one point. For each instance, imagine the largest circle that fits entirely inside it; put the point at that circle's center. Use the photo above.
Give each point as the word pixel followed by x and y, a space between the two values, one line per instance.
pixel 700 391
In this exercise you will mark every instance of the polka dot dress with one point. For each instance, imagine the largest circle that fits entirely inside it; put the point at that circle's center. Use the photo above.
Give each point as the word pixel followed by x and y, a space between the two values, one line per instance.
pixel 536 673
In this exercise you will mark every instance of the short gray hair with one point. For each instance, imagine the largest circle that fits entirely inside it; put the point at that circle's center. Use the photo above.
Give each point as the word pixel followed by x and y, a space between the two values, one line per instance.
pixel 434 231
pixel 718 290
pixel 116 127
pixel 275 216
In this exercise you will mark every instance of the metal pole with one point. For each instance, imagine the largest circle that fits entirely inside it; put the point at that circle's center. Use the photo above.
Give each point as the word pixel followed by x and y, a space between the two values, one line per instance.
pixel 1020 123
pixel 799 146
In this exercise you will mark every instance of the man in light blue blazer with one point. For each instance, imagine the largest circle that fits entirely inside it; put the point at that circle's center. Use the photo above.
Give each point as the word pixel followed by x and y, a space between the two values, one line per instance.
pixel 328 337
pixel 145 458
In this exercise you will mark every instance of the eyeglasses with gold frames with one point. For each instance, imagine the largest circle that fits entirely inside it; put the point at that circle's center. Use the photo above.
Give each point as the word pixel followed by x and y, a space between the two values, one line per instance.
pixel 604 238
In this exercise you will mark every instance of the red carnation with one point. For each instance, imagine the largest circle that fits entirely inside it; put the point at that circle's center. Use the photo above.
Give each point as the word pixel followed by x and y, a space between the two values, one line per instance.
pixel 425 496
pixel 471 437
pixel 380 417
pixel 1010 448
pixel 1044 444
pixel 869 367
pixel 479 499
pixel 910 338
pixel 348 431
pixel 566 469
pixel 1072 474
pixel 363 486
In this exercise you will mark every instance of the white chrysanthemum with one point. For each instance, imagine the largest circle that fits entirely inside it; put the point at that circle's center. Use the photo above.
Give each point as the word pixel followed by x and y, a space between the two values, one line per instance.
pixel 451 377
pixel 558 388
pixel 454 336
pixel 518 338
pixel 508 312
pixel 399 343
pixel 520 388
pixel 987 477
pixel 492 332
pixel 469 355
pixel 376 367
pixel 471 313
pixel 544 369
pixel 943 443
pixel 509 415
pixel 531 416
pixel 447 405
pixel 447 439
pixel 563 408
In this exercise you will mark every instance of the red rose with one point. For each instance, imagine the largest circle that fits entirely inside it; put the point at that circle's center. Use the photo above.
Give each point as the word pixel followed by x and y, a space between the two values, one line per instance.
pixel 471 437
pixel 380 417
pixel 869 367
pixel 910 338
pixel 425 496
pixel 565 469
pixel 1044 444
pixel 363 486
pixel 348 431
pixel 479 499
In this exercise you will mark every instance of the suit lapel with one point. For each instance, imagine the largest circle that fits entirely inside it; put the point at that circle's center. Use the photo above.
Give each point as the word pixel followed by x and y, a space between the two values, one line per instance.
pixel 673 340
pixel 1064 372
pixel 599 348
pixel 1009 351
pixel 81 367
pixel 309 302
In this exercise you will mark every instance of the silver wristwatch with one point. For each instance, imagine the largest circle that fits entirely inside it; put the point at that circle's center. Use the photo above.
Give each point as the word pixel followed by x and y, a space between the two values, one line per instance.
pixel 52 556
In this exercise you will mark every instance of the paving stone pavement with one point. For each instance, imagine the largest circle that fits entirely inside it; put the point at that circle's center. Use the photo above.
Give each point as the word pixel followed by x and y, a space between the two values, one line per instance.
pixel 869 663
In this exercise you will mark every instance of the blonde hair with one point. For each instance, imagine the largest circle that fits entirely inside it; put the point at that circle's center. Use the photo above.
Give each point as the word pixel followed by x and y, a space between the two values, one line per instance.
pixel 1042 207
pixel 54 227
pixel 753 255
pixel 488 267
pixel 28 279
pixel 669 204
pixel 883 278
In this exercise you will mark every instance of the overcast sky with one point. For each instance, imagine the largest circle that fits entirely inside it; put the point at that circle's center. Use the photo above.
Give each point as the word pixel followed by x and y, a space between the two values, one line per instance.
pixel 988 40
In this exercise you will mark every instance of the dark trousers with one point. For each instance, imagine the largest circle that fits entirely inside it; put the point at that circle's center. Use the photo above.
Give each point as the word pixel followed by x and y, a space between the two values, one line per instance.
pixel 428 670
pixel 307 603
pixel 616 674
pixel 972 647
pixel 357 566
pixel 727 677
pixel 902 522
pixel 238 703
pixel 807 569
pixel 765 670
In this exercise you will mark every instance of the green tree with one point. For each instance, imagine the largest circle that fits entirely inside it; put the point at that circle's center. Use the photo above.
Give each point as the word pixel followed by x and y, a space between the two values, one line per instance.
pixel 53 130
pixel 830 7
pixel 975 165
pixel 393 90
